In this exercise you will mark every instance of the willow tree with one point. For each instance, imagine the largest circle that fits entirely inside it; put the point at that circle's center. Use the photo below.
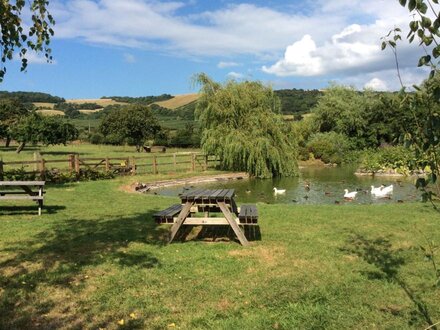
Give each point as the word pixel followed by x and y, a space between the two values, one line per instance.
pixel 242 125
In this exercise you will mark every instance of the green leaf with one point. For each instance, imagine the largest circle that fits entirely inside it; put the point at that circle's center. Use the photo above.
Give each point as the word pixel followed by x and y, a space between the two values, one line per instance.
pixel 414 25
pixel 412 5
pixel 426 22
pixel 424 60
pixel 402 3
pixel 384 45
pixel 422 7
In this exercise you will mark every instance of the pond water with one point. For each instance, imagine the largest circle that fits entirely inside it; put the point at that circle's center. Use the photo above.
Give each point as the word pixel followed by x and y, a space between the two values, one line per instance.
pixel 326 187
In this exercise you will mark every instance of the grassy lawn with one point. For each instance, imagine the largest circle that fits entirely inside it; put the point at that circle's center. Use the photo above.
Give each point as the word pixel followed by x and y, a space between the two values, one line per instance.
pixel 95 259
pixel 84 149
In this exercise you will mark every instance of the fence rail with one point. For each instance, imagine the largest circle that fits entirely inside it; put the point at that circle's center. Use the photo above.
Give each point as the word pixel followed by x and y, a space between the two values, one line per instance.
pixel 75 164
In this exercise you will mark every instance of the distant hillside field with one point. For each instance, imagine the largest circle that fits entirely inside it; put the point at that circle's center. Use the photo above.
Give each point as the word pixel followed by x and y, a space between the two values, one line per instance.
pixel 44 105
pixel 101 102
pixel 178 101
pixel 51 112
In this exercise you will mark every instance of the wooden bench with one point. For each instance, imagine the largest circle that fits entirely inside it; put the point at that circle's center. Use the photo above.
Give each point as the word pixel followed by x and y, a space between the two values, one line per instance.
pixel 167 215
pixel 7 191
pixel 248 214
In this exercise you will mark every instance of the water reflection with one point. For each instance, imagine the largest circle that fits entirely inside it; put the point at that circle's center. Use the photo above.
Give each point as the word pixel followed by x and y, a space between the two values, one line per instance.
pixel 315 185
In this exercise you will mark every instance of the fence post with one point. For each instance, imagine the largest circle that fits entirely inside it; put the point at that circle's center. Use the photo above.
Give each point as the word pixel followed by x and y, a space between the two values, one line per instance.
pixel 43 169
pixel 206 162
pixel 193 162
pixel 1 169
pixel 154 165
pixel 107 164
pixel 77 164
pixel 71 160
pixel 175 162
pixel 37 157
pixel 133 165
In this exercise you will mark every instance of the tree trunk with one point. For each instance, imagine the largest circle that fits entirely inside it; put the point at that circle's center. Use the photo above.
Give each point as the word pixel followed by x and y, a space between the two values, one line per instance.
pixel 8 141
pixel 20 147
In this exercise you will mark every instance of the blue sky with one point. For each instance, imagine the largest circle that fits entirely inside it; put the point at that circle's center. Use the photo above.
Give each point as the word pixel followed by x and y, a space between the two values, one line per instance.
pixel 143 47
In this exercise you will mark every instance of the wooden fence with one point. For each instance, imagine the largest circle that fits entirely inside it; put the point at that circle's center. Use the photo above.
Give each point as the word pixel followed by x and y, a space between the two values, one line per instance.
pixel 75 163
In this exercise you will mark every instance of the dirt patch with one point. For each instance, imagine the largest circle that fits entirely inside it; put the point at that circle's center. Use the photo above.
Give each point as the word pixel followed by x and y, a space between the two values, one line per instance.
pixel 268 256
pixel 22 268
pixel 224 304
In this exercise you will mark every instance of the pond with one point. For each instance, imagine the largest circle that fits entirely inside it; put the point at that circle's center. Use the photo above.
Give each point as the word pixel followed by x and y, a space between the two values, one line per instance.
pixel 326 186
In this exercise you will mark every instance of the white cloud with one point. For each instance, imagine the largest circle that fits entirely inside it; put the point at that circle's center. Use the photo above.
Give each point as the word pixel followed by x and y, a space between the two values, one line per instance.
pixel 235 29
pixel 34 58
pixel 235 75
pixel 376 84
pixel 129 58
pixel 223 65
pixel 332 39
pixel 299 59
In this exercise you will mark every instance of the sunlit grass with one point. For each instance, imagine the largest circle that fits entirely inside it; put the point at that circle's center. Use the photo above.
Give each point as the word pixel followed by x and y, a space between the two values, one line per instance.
pixel 95 257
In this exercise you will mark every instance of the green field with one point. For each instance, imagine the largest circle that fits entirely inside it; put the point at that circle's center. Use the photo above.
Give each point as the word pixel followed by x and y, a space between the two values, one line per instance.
pixel 95 259
pixel 83 149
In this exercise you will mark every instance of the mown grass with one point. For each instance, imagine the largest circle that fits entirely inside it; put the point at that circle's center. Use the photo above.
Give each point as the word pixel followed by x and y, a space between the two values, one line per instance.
pixel 85 150
pixel 95 258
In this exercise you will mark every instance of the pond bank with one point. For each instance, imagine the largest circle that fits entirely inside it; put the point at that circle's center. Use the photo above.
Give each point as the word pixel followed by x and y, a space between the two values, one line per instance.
pixel 144 187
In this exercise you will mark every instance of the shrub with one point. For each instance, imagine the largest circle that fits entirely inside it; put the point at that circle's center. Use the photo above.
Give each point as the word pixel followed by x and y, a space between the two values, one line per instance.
pixel 330 147
pixel 398 159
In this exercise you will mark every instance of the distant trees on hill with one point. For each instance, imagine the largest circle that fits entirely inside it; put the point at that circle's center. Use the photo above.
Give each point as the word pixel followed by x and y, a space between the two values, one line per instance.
pixel 11 110
pixel 30 97
pixel 297 101
pixel 132 124
pixel 76 106
pixel 142 99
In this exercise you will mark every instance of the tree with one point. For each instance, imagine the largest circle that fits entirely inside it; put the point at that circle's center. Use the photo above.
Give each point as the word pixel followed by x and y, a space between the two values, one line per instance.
pixel 241 124
pixel 132 124
pixel 47 130
pixel 16 37
pixel 11 111
pixel 425 138
pixel 344 110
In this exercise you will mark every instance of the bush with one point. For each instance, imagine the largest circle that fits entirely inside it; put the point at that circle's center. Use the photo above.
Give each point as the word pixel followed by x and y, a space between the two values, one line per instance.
pixel 398 159
pixel 56 176
pixel 330 147
pixel 96 138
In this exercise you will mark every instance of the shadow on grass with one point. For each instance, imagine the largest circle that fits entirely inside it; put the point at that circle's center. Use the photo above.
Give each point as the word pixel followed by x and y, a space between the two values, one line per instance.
pixel 30 210
pixel 216 233
pixel 56 259
pixel 378 252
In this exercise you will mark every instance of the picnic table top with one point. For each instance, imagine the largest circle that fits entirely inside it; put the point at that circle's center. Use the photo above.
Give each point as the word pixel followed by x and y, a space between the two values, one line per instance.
pixel 211 194
pixel 22 183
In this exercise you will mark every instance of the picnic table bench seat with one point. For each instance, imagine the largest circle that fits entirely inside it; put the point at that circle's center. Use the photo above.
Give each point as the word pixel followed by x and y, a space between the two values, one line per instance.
pixel 248 214
pixel 167 215
pixel 23 190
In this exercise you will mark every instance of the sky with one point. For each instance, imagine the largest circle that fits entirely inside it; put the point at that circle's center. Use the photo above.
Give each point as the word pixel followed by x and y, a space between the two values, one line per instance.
pixel 150 47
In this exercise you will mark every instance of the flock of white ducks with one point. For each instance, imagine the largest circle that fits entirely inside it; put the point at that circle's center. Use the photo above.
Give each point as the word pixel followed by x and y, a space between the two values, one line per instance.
pixel 379 192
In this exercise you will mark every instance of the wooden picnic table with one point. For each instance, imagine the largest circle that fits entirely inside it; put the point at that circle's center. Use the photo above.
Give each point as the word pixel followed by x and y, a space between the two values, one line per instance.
pixel 30 190
pixel 197 208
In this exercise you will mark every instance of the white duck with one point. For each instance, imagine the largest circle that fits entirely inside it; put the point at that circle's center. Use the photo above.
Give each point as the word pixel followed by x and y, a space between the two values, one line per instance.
pixel 350 195
pixel 384 192
pixel 375 190
pixel 389 189
pixel 279 191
